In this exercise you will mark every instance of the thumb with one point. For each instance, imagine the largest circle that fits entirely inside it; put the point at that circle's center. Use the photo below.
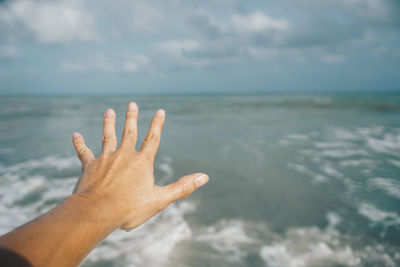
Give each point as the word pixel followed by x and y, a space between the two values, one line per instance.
pixel 183 187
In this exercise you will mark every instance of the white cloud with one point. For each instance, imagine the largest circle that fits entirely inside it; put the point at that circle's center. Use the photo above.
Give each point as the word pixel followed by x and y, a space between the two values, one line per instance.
pixel 52 22
pixel 179 34
pixel 232 42
pixel 99 62
pixel 176 52
pixel 258 22
pixel 287 55
pixel 332 58
pixel 178 47
pixel 96 62
pixel 136 63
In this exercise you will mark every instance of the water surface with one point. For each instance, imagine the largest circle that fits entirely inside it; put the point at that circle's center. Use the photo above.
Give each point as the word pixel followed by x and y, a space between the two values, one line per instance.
pixel 296 180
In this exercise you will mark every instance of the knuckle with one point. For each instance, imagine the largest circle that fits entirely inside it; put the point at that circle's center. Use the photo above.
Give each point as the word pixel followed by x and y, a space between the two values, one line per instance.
pixel 87 163
pixel 151 137
pixel 129 132
pixel 182 190
pixel 108 139
pixel 82 150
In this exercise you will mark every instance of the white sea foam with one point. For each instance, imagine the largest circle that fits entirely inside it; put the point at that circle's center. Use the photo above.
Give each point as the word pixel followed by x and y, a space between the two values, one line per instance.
pixel 297 136
pixel 376 215
pixel 390 144
pixel 19 190
pixel 324 145
pixel 298 167
pixel 229 238
pixel 369 131
pixel 316 253
pixel 19 185
pixel 394 162
pixel 320 178
pixel 329 170
pixel 155 243
pixel 234 240
pixel 333 220
pixel 164 165
pixel 311 246
pixel 343 153
pixel 390 186
pixel 56 162
pixel 357 163
pixel 347 155
pixel 149 245
pixel 291 138
pixel 345 134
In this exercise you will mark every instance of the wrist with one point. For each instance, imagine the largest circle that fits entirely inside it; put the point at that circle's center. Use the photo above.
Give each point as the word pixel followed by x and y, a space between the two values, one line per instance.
pixel 94 210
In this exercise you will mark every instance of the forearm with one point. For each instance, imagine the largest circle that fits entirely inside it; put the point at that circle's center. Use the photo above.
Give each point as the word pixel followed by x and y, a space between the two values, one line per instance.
pixel 62 236
pixel 116 190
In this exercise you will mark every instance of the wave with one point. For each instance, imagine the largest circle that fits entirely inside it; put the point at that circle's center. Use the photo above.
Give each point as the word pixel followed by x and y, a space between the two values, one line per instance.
pixel 236 240
pixel 376 215
pixel 390 186
pixel 24 195
pixel 389 144
pixel 150 244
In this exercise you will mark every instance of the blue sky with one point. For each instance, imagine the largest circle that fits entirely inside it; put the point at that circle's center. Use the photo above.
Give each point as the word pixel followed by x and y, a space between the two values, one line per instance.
pixel 121 46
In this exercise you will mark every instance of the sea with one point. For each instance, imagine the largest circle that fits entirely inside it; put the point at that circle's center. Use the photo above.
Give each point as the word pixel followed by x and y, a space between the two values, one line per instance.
pixel 296 179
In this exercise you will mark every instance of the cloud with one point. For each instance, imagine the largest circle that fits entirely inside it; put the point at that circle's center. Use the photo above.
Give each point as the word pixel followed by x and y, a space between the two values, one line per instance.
pixel 96 62
pixel 332 58
pixel 197 36
pixel 178 48
pixel 137 63
pixel 177 53
pixel 206 26
pixel 99 62
pixel 258 22
pixel 223 42
pixel 51 22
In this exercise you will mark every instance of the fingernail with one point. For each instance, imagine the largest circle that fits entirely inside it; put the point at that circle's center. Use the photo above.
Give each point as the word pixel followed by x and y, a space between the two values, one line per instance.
pixel 109 113
pixel 160 113
pixel 132 106
pixel 201 180
pixel 76 135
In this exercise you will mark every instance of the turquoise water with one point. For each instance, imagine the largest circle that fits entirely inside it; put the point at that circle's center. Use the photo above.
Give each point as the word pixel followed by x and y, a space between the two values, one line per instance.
pixel 296 179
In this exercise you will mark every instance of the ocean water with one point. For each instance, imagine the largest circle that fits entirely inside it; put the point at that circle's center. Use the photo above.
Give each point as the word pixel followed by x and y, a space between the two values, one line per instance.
pixel 296 179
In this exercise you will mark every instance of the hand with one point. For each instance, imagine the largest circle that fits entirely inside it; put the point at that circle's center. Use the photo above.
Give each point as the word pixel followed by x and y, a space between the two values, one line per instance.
pixel 119 184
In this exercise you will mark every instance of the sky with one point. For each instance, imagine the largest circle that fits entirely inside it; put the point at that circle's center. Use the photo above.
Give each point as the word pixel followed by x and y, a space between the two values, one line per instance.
pixel 198 46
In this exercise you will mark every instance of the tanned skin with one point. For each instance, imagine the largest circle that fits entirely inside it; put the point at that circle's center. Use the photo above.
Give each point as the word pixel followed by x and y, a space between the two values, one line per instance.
pixel 115 191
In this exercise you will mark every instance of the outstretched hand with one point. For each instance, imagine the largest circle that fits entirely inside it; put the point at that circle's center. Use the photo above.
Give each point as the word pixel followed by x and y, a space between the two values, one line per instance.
pixel 120 183
pixel 115 190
